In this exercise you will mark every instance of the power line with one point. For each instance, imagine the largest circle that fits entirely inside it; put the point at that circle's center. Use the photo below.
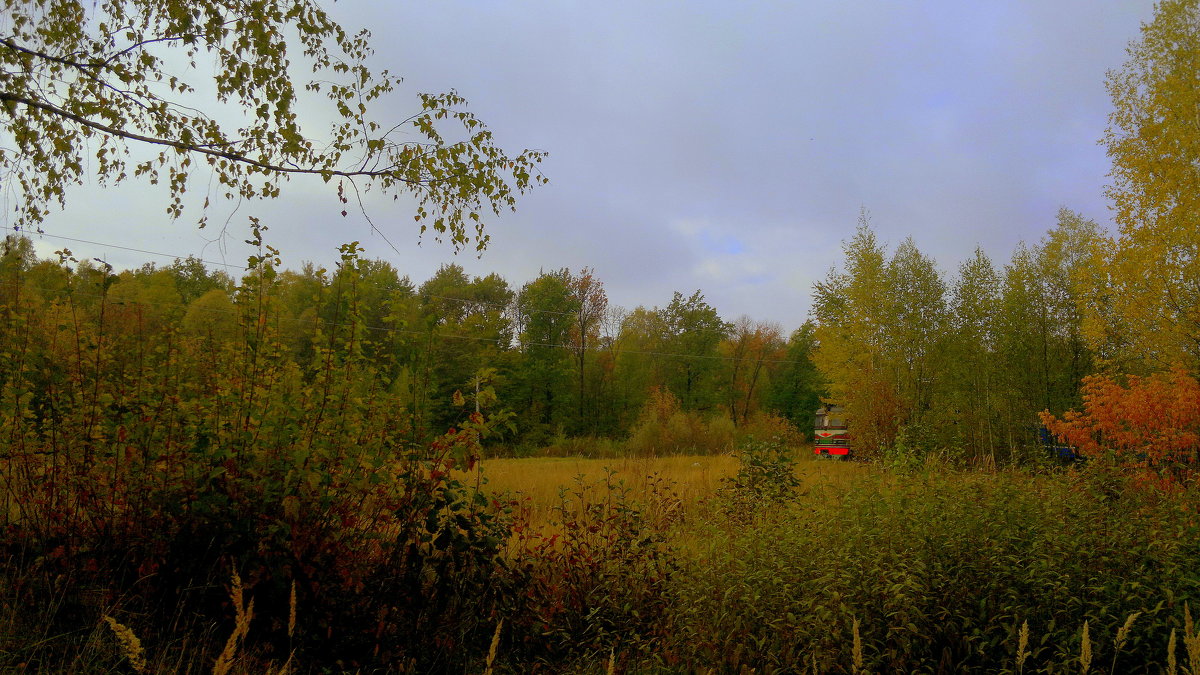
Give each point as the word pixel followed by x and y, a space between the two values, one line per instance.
pixel 406 331
pixel 468 301
pixel 42 233
pixel 497 341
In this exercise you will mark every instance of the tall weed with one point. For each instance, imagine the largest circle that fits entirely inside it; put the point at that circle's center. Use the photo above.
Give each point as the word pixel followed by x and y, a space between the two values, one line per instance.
pixel 141 462
pixel 663 428
pixel 941 570
pixel 599 578
pixel 766 478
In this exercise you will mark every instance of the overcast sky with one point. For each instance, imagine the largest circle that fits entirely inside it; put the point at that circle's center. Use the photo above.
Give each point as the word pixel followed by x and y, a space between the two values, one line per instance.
pixel 720 146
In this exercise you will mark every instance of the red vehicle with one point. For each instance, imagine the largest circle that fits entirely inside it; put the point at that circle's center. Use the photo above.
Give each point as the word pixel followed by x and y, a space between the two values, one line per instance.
pixel 830 437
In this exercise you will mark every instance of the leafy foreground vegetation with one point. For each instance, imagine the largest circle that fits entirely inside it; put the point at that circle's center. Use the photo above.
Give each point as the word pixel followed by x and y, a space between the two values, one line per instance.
pixel 938 572
pixel 820 567
pixel 198 477
pixel 190 492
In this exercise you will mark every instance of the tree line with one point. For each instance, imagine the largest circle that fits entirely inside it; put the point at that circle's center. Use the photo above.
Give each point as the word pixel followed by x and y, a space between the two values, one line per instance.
pixel 963 365
pixel 552 354
pixel 922 362
pixel 925 364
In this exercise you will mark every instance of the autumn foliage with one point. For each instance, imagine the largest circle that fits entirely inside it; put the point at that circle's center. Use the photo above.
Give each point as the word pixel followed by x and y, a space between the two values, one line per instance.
pixel 1149 421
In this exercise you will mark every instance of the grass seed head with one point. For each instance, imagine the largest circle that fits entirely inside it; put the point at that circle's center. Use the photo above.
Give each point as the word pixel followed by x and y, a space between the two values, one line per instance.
pixel 491 657
pixel 1191 640
pixel 243 615
pixel 1123 631
pixel 1085 651
pixel 292 613
pixel 131 646
pixel 1022 646
pixel 1171 664
pixel 858 649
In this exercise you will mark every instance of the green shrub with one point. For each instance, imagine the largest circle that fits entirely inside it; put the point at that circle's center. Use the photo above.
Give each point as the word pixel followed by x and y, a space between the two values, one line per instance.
pixel 600 582
pixel 766 478
pixel 762 424
pixel 941 570
pixel 663 428
pixel 140 466
pixel 590 447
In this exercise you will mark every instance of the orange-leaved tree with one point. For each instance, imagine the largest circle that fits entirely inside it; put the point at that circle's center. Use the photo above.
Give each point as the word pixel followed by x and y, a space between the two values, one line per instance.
pixel 1149 421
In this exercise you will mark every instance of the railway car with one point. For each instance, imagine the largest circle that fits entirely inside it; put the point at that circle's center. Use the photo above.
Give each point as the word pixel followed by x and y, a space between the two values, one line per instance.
pixel 831 436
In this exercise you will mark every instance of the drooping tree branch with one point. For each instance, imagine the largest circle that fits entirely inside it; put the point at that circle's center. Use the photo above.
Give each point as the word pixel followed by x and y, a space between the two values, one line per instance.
pixel 81 84
pixel 205 149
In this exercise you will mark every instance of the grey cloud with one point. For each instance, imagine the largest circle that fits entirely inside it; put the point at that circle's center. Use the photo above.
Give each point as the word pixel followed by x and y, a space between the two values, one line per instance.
pixel 769 122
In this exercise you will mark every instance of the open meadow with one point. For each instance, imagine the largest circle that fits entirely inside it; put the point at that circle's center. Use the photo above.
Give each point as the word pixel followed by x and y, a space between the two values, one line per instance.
pixel 326 462
pixel 758 562
pixel 856 568
pixel 692 478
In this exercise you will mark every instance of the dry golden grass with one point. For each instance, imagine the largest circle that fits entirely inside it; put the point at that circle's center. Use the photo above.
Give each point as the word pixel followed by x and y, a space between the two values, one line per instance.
pixel 539 479
pixel 1022 647
pixel 241 626
pixel 693 478
pixel 1085 651
pixel 131 646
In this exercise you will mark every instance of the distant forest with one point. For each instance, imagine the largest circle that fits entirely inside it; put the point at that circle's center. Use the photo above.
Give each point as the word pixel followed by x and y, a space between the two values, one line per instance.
pixel 960 366
pixel 551 358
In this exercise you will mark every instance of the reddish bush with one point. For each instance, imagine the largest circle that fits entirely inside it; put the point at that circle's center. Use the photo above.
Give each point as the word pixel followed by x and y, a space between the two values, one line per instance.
pixel 1152 422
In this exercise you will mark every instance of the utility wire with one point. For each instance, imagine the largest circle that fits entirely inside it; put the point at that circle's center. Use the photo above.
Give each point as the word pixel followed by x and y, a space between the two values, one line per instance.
pixel 468 301
pixel 41 233
pixel 407 331
pixel 449 336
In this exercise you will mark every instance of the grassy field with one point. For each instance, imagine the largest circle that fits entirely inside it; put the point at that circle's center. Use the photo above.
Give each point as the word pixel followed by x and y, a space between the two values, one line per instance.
pixel 661 565
pixel 693 477
pixel 869 570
